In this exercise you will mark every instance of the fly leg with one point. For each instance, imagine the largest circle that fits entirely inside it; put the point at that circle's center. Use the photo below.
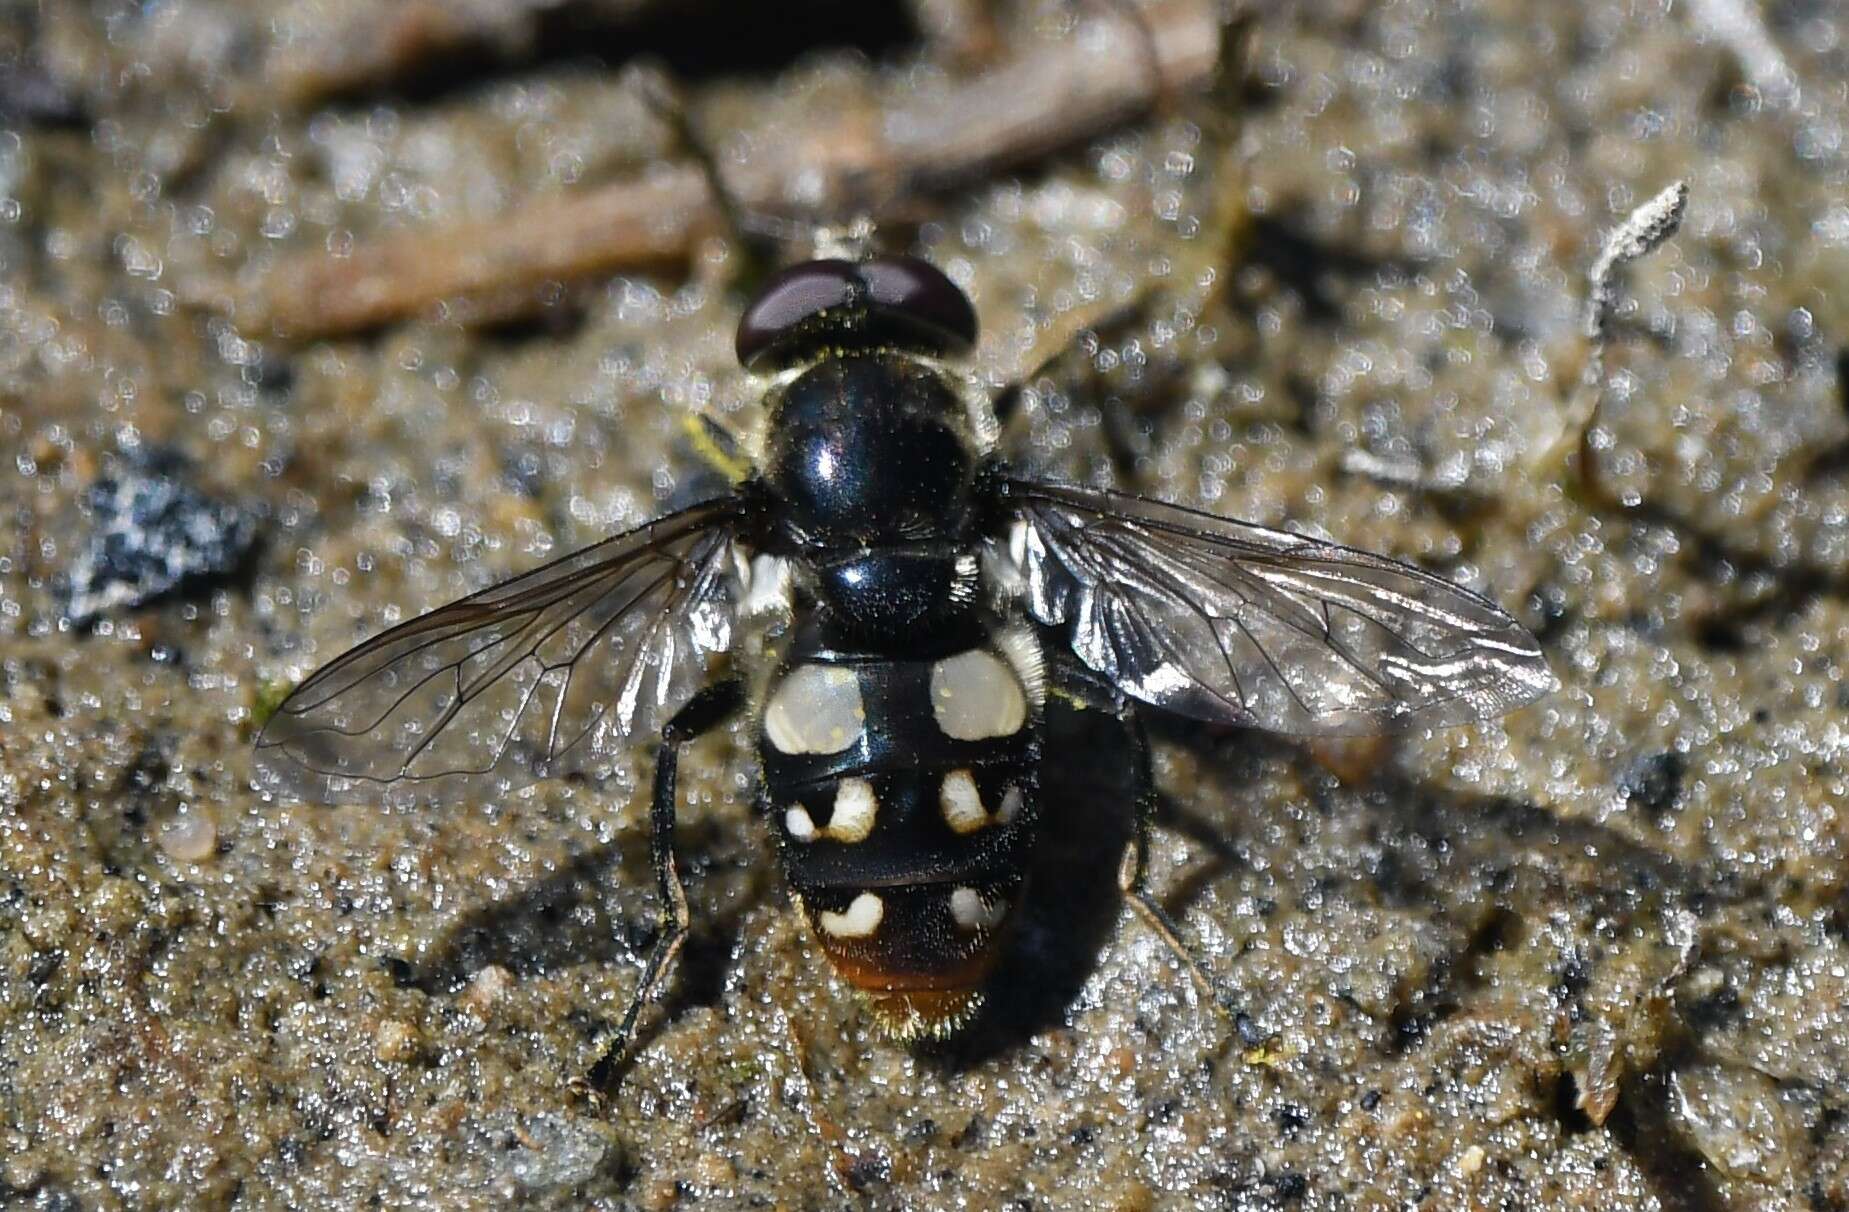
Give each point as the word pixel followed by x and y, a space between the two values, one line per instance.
pixel 704 712
pixel 1080 685
pixel 1133 874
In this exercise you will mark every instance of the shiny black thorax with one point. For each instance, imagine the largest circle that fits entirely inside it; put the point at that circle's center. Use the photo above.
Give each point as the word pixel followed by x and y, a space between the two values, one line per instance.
pixel 871 473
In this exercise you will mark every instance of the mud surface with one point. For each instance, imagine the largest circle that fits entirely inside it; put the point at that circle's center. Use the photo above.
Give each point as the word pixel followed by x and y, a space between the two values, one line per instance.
pixel 1595 955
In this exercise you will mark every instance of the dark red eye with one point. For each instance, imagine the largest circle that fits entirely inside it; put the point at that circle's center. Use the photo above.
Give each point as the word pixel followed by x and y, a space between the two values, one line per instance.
pixel 919 291
pixel 898 301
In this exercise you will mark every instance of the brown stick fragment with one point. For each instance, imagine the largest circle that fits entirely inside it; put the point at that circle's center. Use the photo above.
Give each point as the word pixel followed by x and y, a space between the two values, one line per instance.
pixel 349 46
pixel 368 44
pixel 1119 62
pixel 496 262
pixel 1111 68
pixel 865 158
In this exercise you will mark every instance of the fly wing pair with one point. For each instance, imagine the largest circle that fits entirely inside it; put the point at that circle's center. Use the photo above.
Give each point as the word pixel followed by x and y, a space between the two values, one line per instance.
pixel 559 669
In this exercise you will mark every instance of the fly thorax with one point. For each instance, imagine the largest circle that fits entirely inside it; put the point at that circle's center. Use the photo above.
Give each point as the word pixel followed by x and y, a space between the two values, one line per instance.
pixel 870 450
pixel 899 598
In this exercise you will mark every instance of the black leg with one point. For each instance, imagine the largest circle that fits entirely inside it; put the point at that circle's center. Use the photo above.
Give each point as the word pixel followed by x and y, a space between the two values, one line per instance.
pixel 1081 685
pixel 704 712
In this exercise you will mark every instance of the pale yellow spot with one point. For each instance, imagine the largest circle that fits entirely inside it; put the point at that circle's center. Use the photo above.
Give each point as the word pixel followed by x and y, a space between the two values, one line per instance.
pixel 799 823
pixel 970 912
pixel 962 802
pixel 855 807
pixel 860 920
pixel 815 709
pixel 976 696
pixel 1011 806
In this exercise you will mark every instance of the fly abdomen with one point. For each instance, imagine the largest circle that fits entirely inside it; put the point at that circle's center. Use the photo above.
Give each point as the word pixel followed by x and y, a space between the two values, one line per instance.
pixel 908 878
pixel 872 829
pixel 904 798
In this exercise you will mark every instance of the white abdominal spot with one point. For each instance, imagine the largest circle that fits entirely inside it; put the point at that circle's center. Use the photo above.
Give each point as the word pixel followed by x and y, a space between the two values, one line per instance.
pixel 855 807
pixel 859 920
pixel 962 802
pixel 970 912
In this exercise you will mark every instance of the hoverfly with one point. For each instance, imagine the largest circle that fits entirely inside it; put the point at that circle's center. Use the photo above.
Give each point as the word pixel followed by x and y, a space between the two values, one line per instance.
pixel 889 605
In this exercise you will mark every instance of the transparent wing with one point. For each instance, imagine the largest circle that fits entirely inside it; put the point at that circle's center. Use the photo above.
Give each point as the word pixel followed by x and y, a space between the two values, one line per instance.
pixel 1223 620
pixel 553 671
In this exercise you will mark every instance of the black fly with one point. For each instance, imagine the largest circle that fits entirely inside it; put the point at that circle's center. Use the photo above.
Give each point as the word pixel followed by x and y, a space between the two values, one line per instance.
pixel 890 604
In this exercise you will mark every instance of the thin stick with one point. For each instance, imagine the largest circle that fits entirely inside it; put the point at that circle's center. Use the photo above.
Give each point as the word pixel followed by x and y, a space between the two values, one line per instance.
pixel 484 265
pixel 1643 231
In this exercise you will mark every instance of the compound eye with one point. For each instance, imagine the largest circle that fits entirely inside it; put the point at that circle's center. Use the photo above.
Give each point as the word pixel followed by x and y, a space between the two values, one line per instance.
pixel 790 300
pixel 897 301
pixel 919 294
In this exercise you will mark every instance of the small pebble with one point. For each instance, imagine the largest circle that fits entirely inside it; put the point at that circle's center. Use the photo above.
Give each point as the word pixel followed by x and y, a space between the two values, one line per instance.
pixel 395 1041
pixel 20 1170
pixel 561 1153
pixel 1704 982
pixel 1471 1161
pixel 1736 1119
pixel 1653 782
pixel 488 987
pixel 189 838
pixel 152 533
pixel 1136 1197
pixel 713 1170
pixel 661 1194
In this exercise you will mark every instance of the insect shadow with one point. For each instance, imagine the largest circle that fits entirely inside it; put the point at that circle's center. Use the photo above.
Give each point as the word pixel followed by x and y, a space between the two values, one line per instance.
pixel 1074 908
pixel 571 918
pixel 596 909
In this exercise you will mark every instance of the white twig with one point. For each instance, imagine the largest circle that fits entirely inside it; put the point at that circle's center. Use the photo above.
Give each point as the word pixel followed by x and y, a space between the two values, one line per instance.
pixel 1643 231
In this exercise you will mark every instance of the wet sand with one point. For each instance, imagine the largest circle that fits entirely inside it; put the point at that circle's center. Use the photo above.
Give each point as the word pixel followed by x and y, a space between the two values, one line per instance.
pixel 1594 955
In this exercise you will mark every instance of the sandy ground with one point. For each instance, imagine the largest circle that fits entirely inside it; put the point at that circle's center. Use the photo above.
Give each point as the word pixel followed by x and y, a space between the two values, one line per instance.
pixel 1593 955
